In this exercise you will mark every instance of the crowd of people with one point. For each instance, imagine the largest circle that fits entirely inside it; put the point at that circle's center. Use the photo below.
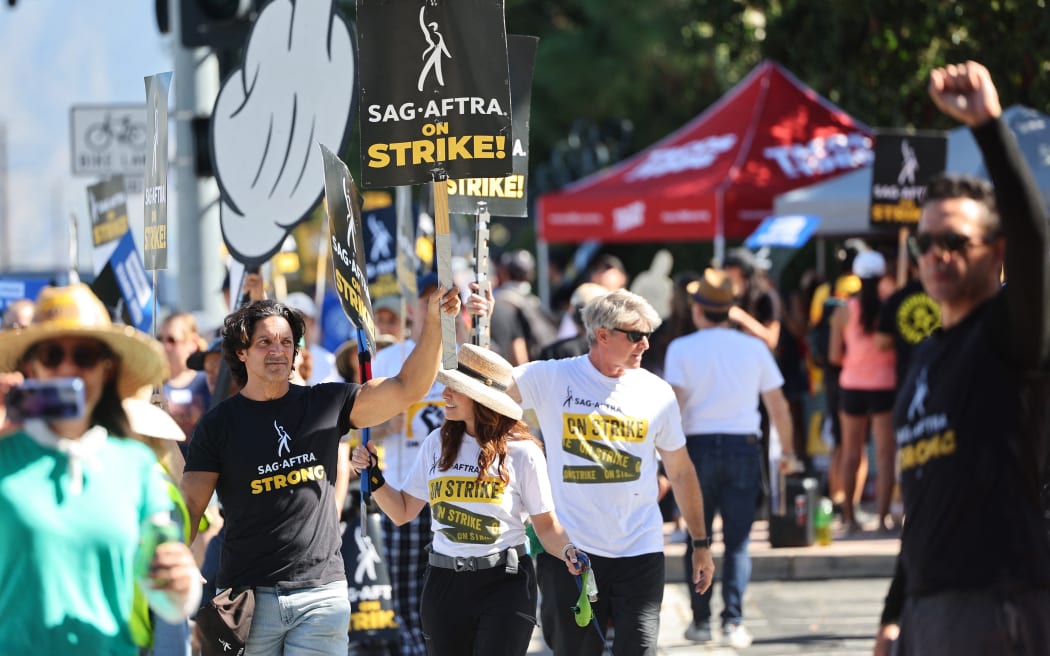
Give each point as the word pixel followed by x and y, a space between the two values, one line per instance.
pixel 570 428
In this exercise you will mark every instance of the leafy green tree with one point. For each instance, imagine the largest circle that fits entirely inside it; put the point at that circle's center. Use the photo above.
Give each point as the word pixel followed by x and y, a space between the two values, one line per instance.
pixel 661 62
pixel 873 58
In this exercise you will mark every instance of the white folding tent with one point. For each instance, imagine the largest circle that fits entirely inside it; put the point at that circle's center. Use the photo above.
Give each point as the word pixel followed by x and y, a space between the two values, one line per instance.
pixel 842 203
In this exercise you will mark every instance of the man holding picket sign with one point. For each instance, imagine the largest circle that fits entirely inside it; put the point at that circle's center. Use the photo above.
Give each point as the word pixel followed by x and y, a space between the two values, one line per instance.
pixel 271 453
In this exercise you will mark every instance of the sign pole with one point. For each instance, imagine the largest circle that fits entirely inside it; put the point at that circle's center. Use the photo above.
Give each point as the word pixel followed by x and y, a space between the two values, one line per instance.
pixel 364 360
pixel 481 270
pixel 74 252
pixel 443 248
pixel 902 257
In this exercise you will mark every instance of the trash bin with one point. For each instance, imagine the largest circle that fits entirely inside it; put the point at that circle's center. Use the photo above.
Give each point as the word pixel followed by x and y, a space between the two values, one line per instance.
pixel 795 527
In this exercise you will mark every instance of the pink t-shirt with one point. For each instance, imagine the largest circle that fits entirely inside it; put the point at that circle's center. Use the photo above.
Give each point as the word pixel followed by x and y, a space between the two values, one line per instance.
pixel 864 365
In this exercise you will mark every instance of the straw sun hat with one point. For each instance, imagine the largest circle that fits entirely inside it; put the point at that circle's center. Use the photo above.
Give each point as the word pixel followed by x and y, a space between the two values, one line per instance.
pixel 483 376
pixel 75 311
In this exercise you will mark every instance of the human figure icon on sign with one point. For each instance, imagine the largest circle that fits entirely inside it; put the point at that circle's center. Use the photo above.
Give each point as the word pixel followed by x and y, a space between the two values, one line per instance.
pixel 351 224
pixel 435 48
pixel 367 558
pixel 909 164
pixel 381 238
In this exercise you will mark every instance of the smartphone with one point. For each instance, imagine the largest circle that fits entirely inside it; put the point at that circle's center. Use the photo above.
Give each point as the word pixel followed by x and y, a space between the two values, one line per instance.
pixel 57 398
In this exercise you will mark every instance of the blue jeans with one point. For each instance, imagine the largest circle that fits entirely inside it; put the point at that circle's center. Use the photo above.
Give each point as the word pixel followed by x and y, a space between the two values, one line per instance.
pixel 170 639
pixel 301 622
pixel 730 470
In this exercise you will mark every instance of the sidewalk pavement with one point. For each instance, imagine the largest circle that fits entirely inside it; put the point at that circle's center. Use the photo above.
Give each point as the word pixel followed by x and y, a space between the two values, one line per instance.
pixel 865 555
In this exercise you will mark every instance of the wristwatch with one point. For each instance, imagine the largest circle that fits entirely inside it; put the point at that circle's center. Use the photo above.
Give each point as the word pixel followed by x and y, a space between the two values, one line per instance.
pixel 702 543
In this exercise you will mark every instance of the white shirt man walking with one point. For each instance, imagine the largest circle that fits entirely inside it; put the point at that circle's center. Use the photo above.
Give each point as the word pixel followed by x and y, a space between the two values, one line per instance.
pixel 718 375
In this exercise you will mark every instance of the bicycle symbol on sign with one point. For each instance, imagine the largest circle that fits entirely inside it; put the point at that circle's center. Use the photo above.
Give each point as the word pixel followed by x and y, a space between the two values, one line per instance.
pixel 125 131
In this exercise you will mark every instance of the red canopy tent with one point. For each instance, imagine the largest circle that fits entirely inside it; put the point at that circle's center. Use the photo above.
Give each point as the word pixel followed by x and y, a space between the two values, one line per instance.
pixel 716 177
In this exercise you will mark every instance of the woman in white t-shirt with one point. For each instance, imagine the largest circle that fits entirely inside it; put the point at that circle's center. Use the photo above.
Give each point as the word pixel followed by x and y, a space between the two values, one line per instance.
pixel 484 476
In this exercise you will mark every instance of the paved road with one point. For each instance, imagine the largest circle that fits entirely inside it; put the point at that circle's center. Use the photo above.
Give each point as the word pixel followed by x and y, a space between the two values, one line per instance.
pixel 829 618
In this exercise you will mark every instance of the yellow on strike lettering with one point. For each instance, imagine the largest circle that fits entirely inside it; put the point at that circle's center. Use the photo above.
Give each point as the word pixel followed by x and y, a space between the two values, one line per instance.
pixel 462 488
pixel 438 149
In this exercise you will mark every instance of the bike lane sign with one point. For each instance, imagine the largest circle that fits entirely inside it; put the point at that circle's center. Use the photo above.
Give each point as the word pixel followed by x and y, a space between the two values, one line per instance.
pixel 108 140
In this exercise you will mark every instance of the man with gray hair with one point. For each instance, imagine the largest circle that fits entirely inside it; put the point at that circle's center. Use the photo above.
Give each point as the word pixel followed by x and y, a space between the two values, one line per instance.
pixel 605 420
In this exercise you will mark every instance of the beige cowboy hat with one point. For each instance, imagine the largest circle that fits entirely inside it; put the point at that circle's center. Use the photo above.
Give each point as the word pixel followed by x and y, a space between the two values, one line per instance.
pixel 483 376
pixel 148 420
pixel 713 291
pixel 75 311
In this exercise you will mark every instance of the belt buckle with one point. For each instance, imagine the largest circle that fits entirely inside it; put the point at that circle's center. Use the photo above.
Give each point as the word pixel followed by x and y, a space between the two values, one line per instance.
pixel 462 564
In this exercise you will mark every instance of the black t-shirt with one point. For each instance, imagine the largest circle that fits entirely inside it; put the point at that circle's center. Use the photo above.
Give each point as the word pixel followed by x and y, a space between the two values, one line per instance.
pixel 969 417
pixel 504 328
pixel 277 463
pixel 909 315
pixel 570 347
pixel 972 521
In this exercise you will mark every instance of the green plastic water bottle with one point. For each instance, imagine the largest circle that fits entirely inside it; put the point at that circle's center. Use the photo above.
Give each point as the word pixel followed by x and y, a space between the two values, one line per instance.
pixel 154 531
pixel 822 521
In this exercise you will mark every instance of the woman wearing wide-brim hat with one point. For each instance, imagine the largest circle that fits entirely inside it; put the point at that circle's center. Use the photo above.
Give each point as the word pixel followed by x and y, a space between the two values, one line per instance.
pixel 483 475
pixel 75 492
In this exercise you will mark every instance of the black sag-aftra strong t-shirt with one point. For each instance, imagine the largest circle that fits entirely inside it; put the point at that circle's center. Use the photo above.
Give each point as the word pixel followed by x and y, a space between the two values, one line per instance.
pixel 970 417
pixel 970 522
pixel 277 462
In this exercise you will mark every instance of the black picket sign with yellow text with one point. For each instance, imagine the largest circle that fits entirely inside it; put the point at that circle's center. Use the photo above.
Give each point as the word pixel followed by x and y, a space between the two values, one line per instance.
pixel 505 196
pixel 343 205
pixel 904 164
pixel 435 91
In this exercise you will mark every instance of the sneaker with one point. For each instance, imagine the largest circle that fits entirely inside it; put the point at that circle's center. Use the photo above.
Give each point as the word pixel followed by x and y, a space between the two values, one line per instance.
pixel 699 632
pixel 736 636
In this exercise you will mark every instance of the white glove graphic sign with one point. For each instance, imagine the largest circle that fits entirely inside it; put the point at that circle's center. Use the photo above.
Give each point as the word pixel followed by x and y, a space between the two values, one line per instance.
pixel 295 88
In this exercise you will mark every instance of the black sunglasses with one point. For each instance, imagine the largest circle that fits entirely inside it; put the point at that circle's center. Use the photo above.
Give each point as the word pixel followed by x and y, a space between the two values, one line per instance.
pixel 634 336
pixel 85 356
pixel 950 242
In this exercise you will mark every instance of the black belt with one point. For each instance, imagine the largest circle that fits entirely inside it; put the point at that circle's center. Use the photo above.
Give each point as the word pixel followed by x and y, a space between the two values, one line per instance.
pixel 751 438
pixel 474 563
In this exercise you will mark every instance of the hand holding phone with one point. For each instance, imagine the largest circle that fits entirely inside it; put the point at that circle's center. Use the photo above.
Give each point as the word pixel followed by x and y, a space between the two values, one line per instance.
pixel 55 398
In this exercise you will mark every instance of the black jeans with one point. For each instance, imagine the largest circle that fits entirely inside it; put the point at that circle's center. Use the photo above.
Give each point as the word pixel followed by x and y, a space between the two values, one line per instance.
pixel 630 592
pixel 484 612
pixel 976 622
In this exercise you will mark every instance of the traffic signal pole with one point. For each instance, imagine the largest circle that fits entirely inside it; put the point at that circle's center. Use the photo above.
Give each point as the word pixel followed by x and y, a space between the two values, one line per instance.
pixel 201 266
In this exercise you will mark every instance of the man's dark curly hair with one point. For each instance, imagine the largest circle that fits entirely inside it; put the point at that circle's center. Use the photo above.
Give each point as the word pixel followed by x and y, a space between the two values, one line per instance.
pixel 238 327
pixel 946 186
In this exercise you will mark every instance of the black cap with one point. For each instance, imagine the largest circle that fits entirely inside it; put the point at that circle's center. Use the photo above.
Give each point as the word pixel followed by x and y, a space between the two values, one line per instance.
pixel 425 282
pixel 196 360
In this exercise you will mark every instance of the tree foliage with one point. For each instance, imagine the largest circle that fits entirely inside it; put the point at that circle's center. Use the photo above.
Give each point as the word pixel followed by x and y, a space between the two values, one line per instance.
pixel 659 63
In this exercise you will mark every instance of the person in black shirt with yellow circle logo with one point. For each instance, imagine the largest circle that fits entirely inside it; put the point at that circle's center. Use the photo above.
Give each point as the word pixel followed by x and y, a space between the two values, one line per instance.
pixel 973 575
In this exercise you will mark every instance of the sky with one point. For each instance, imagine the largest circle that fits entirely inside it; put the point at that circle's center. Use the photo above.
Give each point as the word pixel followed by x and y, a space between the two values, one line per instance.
pixel 56 54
